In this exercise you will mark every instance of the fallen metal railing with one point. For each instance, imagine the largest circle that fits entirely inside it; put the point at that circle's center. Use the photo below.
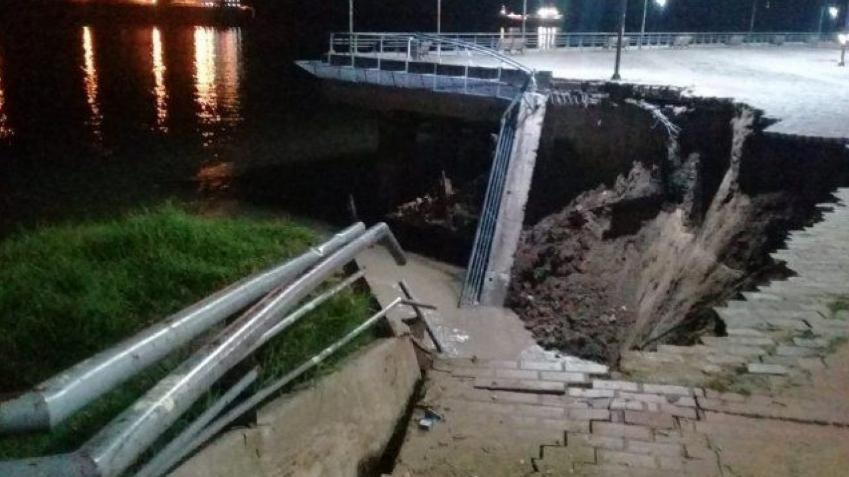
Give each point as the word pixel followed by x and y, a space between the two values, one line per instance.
pixel 196 436
pixel 120 443
pixel 54 400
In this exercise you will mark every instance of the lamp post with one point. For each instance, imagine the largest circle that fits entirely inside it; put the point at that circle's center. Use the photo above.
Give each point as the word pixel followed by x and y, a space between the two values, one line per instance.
pixel 351 42
pixel 754 15
pixel 621 35
pixel 833 12
pixel 524 17
pixel 438 17
pixel 661 4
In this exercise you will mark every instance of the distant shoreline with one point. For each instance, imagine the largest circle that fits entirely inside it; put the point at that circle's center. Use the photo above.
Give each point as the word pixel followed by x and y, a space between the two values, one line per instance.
pixel 16 12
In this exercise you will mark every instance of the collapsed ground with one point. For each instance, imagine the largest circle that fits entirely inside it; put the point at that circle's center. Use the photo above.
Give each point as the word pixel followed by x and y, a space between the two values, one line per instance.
pixel 647 209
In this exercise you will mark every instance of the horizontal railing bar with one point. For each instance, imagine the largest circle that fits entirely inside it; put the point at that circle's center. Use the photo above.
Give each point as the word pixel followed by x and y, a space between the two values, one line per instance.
pixel 56 399
pixel 165 459
pixel 275 386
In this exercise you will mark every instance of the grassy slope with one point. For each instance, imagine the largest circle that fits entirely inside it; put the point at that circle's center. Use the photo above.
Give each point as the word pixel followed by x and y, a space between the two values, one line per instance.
pixel 67 292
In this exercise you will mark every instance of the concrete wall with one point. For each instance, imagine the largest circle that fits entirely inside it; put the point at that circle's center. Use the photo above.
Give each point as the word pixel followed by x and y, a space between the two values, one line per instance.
pixel 336 427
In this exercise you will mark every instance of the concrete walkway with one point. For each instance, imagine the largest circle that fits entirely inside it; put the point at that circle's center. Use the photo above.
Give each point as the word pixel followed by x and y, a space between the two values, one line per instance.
pixel 789 364
pixel 484 333
pixel 801 86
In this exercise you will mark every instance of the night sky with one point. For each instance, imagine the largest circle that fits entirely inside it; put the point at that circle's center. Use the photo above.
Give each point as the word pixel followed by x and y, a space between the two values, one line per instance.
pixel 582 15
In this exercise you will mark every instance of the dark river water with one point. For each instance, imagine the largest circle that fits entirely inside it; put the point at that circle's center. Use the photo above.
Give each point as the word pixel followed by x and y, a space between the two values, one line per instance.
pixel 97 116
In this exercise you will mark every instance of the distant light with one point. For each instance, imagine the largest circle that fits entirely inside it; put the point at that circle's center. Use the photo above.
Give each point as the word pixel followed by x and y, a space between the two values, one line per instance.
pixel 833 11
pixel 843 38
pixel 549 13
pixel 660 3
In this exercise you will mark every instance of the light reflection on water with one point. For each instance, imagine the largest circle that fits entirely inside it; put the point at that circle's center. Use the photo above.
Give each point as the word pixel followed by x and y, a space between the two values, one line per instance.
pixel 159 91
pixel 217 76
pixel 91 82
pixel 118 82
pixel 5 129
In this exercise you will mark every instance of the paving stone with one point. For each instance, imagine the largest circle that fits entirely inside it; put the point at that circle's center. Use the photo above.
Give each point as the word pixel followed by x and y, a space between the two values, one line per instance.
pixel 516 374
pixel 595 440
pixel 740 350
pixel 644 397
pixel 591 393
pixel 626 458
pixel 684 401
pixel 786 324
pixel 627 404
pixel 695 451
pixel 784 350
pixel 564 401
pixel 654 448
pixel 600 403
pixel 549 387
pixel 542 365
pixel 810 342
pixel 616 385
pixel 761 368
pixel 551 412
pixel 501 364
pixel 589 414
pixel 571 378
pixel 687 412
pixel 559 458
pixel 737 340
pixel 650 419
pixel 513 397
pixel 585 367
pixel 473 372
pixel 667 389
pixel 671 462
pixel 620 430
pixel 566 425
pixel 616 470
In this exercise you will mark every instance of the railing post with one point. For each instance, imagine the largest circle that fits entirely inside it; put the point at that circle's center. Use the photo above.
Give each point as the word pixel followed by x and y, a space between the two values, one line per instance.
pixel 353 47
pixel 380 53
pixel 407 61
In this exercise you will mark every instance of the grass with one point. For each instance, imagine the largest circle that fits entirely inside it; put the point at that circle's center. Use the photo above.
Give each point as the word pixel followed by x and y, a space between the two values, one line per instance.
pixel 69 291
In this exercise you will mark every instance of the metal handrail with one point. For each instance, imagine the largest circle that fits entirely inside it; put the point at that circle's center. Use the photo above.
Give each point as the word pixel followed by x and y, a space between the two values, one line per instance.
pixel 54 400
pixel 192 440
pixel 579 40
pixel 484 234
pixel 119 444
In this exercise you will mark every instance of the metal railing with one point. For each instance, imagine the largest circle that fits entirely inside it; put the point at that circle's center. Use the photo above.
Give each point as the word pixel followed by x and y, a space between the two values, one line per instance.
pixel 473 281
pixel 411 60
pixel 119 444
pixel 370 42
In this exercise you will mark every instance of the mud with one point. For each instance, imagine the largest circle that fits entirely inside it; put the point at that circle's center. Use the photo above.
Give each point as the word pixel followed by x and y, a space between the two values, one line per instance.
pixel 641 256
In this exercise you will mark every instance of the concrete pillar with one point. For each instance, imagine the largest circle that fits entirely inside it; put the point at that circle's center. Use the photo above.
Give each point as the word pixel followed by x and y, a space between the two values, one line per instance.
pixel 511 213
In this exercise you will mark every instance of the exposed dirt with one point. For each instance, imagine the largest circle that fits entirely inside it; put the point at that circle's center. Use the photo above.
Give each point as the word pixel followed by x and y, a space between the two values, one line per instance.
pixel 643 260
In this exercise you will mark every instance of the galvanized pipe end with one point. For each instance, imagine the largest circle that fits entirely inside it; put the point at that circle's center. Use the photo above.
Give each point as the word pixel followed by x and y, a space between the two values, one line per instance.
pixel 25 413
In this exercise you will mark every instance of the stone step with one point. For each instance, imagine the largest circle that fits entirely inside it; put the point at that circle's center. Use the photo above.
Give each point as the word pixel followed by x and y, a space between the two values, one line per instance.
pixel 737 340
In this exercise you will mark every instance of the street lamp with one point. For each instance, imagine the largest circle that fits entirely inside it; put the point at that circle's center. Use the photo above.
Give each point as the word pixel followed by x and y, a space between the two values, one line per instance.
pixel 833 12
pixel 524 17
pixel 621 35
pixel 438 17
pixel 754 15
pixel 661 4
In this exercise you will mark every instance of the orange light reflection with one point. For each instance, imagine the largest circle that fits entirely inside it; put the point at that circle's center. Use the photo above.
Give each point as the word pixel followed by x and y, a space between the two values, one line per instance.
pixel 91 82
pixel 5 130
pixel 159 91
